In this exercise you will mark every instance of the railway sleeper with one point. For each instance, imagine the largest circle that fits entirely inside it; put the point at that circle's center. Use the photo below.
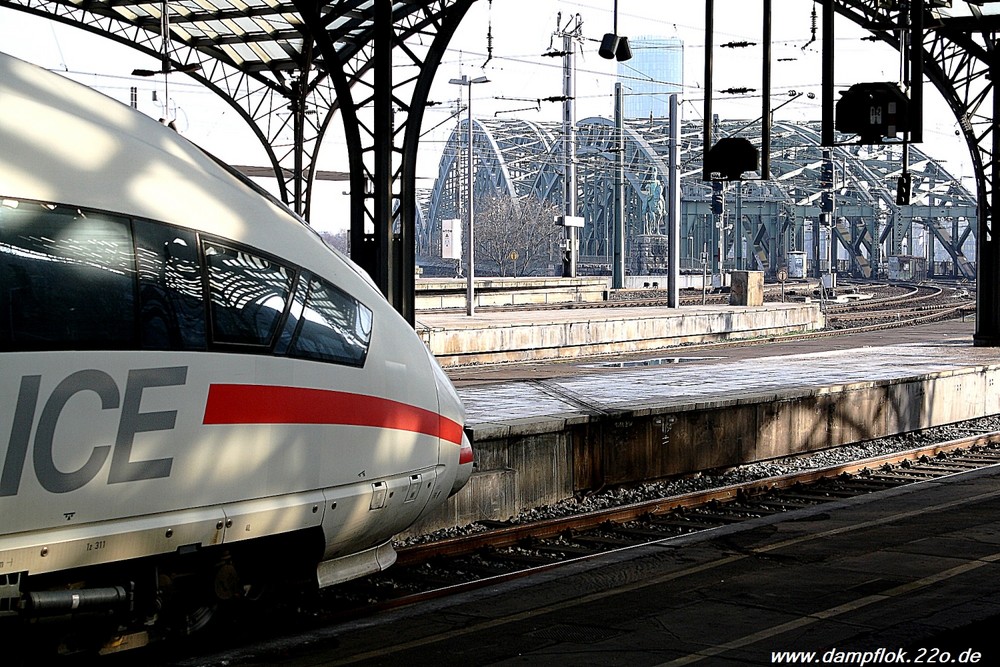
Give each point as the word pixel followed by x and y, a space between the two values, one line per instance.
pixel 690 524
pixel 641 535
pixel 977 460
pixel 814 497
pixel 715 516
pixel 955 464
pixel 862 486
pixel 943 470
pixel 454 572
pixel 906 476
pixel 602 542
pixel 481 567
pixel 777 507
pixel 759 509
pixel 563 550
pixel 519 558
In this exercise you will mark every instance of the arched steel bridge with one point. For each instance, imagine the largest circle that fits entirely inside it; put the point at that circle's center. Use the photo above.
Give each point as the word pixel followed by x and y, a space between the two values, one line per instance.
pixel 764 219
pixel 318 57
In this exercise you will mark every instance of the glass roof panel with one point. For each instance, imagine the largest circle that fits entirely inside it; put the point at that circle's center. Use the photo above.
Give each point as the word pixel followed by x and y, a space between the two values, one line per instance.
pixel 270 28
pixel 965 9
pixel 235 55
pixel 248 25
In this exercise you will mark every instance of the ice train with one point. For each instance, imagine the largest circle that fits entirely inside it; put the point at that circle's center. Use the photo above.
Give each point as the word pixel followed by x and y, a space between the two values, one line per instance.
pixel 197 395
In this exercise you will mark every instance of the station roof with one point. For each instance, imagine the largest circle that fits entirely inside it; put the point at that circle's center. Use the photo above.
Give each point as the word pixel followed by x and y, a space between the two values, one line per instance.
pixel 256 35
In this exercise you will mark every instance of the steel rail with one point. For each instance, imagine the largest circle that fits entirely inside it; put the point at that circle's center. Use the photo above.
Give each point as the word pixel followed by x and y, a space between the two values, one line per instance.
pixel 511 535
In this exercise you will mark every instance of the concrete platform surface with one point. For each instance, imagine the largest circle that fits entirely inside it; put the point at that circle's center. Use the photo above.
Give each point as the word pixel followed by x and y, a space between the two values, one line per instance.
pixel 514 395
pixel 542 433
pixel 897 574
pixel 506 336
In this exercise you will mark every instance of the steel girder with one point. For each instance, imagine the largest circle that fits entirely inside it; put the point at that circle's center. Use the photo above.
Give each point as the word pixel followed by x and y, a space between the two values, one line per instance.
pixel 501 156
pixel 644 182
pixel 961 58
pixel 286 67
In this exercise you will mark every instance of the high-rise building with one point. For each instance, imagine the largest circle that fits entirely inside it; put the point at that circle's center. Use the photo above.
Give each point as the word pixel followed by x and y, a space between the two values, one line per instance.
pixel 655 71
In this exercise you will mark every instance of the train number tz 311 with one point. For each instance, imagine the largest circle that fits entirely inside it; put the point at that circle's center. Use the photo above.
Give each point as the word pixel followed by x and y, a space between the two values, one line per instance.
pixel 131 421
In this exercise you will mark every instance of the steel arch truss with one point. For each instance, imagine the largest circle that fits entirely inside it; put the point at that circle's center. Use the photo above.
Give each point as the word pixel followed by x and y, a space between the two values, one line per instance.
pixel 644 186
pixel 961 58
pixel 762 220
pixel 503 157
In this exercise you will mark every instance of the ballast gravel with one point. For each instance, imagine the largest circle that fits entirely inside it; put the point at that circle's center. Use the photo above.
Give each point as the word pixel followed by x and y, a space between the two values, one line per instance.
pixel 620 496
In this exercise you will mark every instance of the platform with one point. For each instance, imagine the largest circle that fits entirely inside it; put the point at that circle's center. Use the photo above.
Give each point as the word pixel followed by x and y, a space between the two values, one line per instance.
pixel 504 336
pixel 546 432
pixel 905 574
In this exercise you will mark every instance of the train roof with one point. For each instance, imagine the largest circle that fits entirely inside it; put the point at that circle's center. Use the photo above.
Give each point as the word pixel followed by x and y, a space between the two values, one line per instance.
pixel 66 143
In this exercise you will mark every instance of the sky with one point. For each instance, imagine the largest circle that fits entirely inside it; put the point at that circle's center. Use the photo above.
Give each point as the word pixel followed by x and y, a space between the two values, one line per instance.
pixel 522 30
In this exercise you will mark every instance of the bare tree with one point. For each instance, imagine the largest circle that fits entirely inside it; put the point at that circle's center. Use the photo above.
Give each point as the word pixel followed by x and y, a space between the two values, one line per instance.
pixel 340 240
pixel 516 237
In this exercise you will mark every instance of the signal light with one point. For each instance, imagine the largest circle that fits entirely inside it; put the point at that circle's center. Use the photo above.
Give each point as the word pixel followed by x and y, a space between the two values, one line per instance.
pixel 730 157
pixel 826 175
pixel 826 199
pixel 718 198
pixel 903 189
pixel 826 202
pixel 873 111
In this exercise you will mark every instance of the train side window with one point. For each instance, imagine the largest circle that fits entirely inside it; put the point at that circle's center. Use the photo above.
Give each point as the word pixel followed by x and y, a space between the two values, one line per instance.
pixel 171 294
pixel 67 278
pixel 334 326
pixel 248 295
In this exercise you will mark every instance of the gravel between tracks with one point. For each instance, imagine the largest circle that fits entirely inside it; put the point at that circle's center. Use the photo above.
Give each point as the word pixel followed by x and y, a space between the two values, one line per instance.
pixel 619 496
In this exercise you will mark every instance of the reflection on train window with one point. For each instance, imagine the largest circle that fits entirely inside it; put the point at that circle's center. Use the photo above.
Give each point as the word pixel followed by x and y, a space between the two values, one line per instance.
pixel 79 279
pixel 294 314
pixel 333 326
pixel 248 295
pixel 171 296
pixel 67 278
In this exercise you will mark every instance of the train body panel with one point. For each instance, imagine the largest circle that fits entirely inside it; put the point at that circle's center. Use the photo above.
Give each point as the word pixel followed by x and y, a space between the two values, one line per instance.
pixel 181 440
pixel 186 366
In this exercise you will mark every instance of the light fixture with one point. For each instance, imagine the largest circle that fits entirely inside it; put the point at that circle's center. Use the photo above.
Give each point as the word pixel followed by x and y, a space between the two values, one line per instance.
pixel 614 46
pixel 165 66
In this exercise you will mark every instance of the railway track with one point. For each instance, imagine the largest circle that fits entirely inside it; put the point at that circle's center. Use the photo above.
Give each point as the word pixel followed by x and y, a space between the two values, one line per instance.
pixel 918 305
pixel 447 567
pixel 444 567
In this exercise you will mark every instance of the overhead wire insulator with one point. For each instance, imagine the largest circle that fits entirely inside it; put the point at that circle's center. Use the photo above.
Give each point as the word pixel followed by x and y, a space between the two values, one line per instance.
pixel 489 37
pixel 812 29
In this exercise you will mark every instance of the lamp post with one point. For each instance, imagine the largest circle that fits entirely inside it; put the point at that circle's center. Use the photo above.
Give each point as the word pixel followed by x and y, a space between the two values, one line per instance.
pixel 470 294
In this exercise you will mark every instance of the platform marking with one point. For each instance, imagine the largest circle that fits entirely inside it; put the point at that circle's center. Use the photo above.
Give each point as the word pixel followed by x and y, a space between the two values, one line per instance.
pixel 832 612
pixel 737 643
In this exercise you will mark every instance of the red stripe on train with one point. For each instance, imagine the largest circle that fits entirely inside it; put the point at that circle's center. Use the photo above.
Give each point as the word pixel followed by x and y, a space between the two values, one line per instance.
pixel 263 404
